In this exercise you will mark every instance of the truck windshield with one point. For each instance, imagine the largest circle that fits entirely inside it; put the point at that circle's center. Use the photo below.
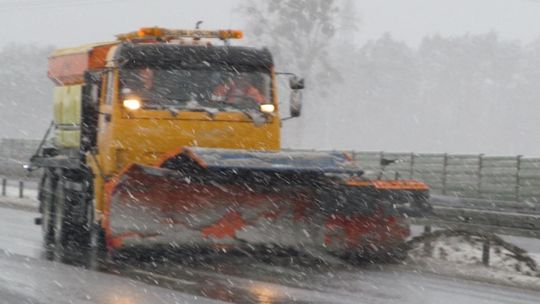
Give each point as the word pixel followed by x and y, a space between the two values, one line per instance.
pixel 222 90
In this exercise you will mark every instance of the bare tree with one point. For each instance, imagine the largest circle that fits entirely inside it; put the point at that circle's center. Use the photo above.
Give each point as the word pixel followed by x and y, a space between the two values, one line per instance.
pixel 298 32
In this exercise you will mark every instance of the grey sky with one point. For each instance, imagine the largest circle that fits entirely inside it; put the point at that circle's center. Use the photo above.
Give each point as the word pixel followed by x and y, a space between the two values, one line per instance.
pixel 412 19
pixel 64 22
pixel 84 21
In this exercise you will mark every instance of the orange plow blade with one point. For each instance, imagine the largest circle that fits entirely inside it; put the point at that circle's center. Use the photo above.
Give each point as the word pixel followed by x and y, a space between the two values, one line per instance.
pixel 213 197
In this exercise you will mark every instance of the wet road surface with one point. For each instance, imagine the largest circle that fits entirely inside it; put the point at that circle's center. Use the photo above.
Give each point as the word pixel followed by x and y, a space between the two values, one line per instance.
pixel 248 280
pixel 26 278
pixel 29 280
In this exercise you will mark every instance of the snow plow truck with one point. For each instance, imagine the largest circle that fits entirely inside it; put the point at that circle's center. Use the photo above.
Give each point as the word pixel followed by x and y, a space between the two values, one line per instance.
pixel 171 138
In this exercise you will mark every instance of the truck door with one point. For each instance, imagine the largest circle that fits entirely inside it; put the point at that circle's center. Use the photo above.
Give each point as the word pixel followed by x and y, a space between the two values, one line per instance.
pixel 106 120
pixel 90 110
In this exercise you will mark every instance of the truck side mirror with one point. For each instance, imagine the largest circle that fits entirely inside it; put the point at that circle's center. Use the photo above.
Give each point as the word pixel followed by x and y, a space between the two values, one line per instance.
pixel 296 83
pixel 296 103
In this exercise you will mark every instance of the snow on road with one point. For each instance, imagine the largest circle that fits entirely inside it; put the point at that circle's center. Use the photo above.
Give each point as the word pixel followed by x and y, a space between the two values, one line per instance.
pixel 19 235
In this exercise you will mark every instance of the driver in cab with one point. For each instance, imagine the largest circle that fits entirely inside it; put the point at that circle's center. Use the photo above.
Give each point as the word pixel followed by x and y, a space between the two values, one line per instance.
pixel 238 90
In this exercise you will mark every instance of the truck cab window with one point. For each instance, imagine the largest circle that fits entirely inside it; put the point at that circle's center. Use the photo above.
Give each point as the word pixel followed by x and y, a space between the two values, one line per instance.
pixel 110 88
pixel 185 88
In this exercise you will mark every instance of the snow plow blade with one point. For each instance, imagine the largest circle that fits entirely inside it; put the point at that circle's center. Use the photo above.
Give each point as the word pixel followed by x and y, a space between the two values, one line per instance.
pixel 225 198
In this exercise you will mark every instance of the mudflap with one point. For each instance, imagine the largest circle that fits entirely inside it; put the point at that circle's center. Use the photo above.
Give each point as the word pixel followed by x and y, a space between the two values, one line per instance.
pixel 199 200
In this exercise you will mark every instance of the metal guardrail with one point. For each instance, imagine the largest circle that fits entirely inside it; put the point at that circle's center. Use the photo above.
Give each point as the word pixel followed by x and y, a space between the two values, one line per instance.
pixel 484 219
pixel 508 178
pixel 483 216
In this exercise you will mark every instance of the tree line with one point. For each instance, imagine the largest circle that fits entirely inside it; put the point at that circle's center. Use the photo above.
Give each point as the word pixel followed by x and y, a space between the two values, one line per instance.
pixel 471 93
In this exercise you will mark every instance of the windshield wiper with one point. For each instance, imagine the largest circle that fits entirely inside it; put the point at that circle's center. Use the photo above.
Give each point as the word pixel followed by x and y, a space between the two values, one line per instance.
pixel 188 105
pixel 257 117
pixel 209 111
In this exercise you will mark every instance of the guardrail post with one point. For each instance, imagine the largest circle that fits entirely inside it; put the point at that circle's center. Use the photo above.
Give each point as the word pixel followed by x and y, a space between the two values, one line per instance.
pixel 479 174
pixel 411 168
pixel 21 189
pixel 4 186
pixel 518 177
pixel 428 248
pixel 485 252
pixel 444 173
pixel 381 167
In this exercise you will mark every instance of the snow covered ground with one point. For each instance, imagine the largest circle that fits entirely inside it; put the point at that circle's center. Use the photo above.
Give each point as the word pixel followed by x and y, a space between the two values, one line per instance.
pixel 461 256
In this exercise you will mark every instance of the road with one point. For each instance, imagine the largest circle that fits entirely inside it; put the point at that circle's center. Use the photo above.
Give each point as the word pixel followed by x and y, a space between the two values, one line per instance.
pixel 33 281
pixel 242 279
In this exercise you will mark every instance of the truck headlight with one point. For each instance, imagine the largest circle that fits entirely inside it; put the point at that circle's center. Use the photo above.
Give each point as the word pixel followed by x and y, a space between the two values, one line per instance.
pixel 268 108
pixel 132 104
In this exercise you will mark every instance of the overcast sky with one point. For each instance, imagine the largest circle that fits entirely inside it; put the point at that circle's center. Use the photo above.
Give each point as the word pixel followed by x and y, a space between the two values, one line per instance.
pixel 72 22
pixel 65 23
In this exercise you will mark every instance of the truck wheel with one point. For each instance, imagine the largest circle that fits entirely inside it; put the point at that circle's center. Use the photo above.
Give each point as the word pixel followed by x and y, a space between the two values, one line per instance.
pixel 47 213
pixel 70 235
pixel 96 255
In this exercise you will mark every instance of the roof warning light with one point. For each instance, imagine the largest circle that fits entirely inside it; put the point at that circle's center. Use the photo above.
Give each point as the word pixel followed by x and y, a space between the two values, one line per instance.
pixel 170 34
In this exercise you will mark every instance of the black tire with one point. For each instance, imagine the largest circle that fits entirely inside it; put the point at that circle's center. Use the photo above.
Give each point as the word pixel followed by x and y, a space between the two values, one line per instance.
pixel 47 209
pixel 71 235
pixel 96 254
